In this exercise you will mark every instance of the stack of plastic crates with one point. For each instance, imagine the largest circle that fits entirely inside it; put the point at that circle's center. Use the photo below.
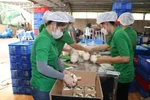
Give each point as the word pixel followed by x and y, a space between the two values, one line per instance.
pixel 139 51
pixel 38 14
pixel 122 6
pixel 143 75
pixel 20 66
pixel 142 67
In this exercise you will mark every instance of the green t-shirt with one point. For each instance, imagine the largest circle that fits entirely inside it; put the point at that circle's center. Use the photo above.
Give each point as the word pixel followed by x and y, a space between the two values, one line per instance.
pixel 132 35
pixel 120 45
pixel 44 49
pixel 66 38
pixel 42 26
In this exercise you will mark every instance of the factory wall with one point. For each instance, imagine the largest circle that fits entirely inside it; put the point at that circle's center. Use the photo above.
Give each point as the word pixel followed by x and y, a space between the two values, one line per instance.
pixel 138 24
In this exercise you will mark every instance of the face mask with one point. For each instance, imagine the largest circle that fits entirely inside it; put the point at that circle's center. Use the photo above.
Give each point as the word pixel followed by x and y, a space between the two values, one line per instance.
pixel 104 31
pixel 69 28
pixel 58 34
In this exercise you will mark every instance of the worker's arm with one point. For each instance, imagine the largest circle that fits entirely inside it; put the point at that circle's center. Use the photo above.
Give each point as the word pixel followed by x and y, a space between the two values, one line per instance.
pixel 67 50
pixel 79 47
pixel 124 51
pixel 101 48
pixel 67 39
pixel 73 34
pixel 47 70
pixel 114 60
pixel 60 65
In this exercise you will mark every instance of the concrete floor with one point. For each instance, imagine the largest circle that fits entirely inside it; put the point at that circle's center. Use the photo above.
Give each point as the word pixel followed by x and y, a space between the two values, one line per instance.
pixel 4 58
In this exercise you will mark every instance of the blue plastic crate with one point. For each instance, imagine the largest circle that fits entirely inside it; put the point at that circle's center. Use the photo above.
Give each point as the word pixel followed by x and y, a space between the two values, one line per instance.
pixel 18 90
pixel 143 73
pixel 23 47
pixel 145 64
pixel 148 47
pixel 17 82
pixel 37 21
pixel 26 66
pixel 22 90
pixel 38 15
pixel 96 41
pixel 120 11
pixel 122 5
pixel 27 90
pixel 21 74
pixel 26 74
pixel 143 93
pixel 140 50
pixel 36 26
pixel 26 82
pixel 20 82
pixel 19 58
pixel 16 73
pixel 15 66
pixel 20 65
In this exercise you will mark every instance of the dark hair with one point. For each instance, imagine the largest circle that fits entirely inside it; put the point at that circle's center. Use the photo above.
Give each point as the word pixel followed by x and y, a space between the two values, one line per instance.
pixel 88 25
pixel 112 23
pixel 48 23
pixel 58 24
pixel 61 24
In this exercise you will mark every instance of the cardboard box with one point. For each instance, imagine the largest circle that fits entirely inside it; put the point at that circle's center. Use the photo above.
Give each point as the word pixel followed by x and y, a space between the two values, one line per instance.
pixel 67 92
pixel 87 79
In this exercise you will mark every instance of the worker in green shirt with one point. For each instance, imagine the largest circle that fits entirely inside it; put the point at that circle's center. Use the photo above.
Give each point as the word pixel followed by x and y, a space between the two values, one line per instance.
pixel 44 57
pixel 66 38
pixel 121 52
pixel 126 20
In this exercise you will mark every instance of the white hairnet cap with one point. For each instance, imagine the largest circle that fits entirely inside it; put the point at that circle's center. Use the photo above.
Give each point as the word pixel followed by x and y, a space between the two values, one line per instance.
pixel 55 16
pixel 126 19
pixel 71 19
pixel 106 17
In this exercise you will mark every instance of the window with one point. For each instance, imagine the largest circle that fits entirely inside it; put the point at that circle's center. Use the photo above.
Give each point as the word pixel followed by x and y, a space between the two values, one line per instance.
pixel 138 16
pixel 147 17
pixel 85 15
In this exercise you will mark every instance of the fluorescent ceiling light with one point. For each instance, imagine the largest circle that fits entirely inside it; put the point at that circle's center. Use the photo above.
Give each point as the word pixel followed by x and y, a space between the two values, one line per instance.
pixel 146 26
pixel 85 15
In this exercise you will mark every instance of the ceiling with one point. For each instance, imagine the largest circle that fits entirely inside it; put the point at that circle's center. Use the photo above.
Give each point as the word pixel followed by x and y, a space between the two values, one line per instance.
pixel 23 4
pixel 139 6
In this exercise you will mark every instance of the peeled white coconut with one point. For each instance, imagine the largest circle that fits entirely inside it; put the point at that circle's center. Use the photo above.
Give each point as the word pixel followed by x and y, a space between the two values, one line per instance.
pixel 86 64
pixel 66 88
pixel 80 53
pixel 65 53
pixel 80 60
pixel 86 56
pixel 74 77
pixel 74 57
pixel 74 51
pixel 93 58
